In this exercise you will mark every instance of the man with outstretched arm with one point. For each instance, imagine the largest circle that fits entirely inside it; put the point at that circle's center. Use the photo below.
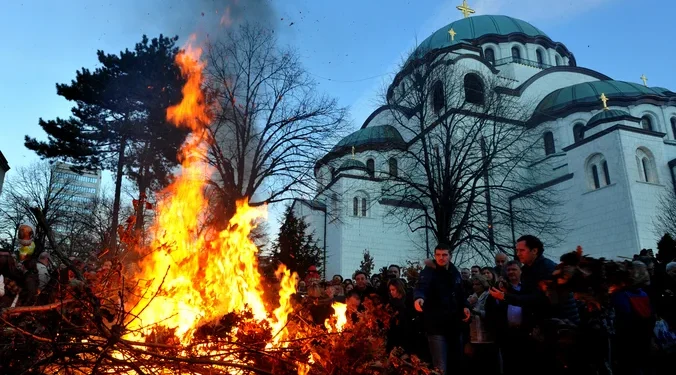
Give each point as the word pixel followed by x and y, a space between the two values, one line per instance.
pixel 440 297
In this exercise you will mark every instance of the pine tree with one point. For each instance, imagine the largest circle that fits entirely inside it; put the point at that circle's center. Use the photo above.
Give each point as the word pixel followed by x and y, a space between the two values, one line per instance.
pixel 119 122
pixel 294 247
pixel 367 264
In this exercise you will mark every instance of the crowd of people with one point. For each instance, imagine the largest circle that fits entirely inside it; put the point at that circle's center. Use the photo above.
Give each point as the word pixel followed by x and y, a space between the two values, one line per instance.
pixel 507 318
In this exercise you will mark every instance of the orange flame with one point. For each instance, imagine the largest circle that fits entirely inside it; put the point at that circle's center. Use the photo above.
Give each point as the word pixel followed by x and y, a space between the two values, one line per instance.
pixel 194 275
pixel 340 316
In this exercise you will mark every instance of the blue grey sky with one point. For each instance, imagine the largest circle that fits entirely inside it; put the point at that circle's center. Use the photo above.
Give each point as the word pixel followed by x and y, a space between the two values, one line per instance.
pixel 350 47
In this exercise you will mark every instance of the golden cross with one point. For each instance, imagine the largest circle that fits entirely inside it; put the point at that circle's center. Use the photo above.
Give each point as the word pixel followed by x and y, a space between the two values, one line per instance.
pixel 604 99
pixel 452 33
pixel 645 80
pixel 352 152
pixel 465 9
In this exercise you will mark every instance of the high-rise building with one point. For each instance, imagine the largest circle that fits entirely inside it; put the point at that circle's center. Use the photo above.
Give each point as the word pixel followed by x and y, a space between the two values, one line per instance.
pixel 4 167
pixel 80 187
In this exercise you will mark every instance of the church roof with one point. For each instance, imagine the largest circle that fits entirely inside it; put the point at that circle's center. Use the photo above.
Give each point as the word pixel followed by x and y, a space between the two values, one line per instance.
pixel 609 115
pixel 372 137
pixel 587 94
pixel 475 27
pixel 351 164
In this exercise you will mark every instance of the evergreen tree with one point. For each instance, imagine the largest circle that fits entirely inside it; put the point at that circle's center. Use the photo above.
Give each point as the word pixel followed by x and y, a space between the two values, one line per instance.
pixel 367 264
pixel 666 249
pixel 294 247
pixel 119 122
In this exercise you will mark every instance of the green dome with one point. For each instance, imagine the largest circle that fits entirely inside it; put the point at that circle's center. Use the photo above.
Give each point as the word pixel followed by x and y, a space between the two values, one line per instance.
pixel 372 137
pixel 352 164
pixel 588 95
pixel 474 27
pixel 608 115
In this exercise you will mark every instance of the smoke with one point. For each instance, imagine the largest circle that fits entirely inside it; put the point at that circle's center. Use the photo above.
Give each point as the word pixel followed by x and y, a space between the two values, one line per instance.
pixel 207 18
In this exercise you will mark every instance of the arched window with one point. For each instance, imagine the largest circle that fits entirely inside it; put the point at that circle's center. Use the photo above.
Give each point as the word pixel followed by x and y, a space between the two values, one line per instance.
pixel 647 123
pixel 673 126
pixel 558 60
pixel 370 167
pixel 360 205
pixel 578 132
pixel 394 167
pixel 334 203
pixel 516 54
pixel 549 143
pixel 647 171
pixel 606 174
pixel 474 89
pixel 595 177
pixel 595 166
pixel 538 56
pixel 438 96
pixel 489 55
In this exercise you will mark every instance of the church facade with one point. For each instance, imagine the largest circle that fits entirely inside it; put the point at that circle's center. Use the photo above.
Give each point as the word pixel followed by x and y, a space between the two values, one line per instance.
pixel 608 147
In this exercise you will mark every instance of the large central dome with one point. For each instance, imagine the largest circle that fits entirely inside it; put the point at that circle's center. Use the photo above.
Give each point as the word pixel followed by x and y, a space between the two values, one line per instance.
pixel 471 28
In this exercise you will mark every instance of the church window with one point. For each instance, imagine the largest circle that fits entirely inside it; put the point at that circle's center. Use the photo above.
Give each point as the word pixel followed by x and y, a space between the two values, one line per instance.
pixel 394 167
pixel 606 174
pixel 355 206
pixel 578 132
pixel 595 177
pixel 673 126
pixel 647 172
pixel 647 123
pixel 364 203
pixel 558 60
pixel 516 54
pixel 538 55
pixel 474 89
pixel 550 148
pixel 370 167
pixel 438 96
pixel 334 203
pixel 489 55
pixel 595 166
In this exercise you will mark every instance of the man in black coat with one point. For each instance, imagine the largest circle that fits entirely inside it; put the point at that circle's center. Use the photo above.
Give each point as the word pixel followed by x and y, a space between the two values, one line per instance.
pixel 532 298
pixel 441 298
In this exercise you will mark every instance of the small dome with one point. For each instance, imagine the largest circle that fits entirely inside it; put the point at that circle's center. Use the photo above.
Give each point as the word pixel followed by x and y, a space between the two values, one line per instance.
pixel 585 95
pixel 372 137
pixel 352 164
pixel 475 27
pixel 608 116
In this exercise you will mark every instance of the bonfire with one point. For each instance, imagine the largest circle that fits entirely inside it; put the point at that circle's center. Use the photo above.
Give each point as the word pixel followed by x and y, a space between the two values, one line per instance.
pixel 194 302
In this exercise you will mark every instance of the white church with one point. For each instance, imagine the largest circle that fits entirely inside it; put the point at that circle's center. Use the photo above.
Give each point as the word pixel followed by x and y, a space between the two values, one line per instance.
pixel 608 146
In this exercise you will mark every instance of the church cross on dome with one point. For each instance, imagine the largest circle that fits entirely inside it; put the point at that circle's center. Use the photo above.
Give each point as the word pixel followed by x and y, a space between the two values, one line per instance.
pixel 645 80
pixel 452 34
pixel 604 99
pixel 465 9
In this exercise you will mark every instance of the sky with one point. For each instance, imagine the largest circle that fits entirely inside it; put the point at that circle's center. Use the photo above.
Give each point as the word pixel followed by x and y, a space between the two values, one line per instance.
pixel 352 48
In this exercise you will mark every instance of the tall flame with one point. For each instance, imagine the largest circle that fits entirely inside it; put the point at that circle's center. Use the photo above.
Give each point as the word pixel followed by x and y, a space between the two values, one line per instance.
pixel 193 274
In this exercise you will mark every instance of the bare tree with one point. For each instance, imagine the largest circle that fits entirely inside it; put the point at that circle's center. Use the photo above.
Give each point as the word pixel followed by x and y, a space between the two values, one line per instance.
pixel 269 122
pixel 468 157
pixel 665 221
pixel 36 186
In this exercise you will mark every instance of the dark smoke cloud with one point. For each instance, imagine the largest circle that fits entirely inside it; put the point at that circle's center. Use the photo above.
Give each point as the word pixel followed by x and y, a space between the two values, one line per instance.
pixel 204 17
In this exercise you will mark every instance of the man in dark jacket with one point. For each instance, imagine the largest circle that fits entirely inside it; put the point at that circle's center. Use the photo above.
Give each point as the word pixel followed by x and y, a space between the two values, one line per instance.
pixel 439 295
pixel 536 305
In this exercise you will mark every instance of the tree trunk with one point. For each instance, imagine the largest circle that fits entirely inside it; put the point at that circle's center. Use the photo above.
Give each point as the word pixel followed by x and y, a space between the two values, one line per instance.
pixel 142 198
pixel 116 201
